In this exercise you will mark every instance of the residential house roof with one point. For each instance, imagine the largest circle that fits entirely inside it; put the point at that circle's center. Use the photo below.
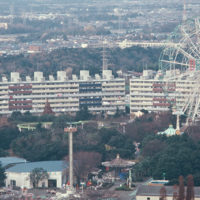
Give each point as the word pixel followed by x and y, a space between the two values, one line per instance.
pixel 146 190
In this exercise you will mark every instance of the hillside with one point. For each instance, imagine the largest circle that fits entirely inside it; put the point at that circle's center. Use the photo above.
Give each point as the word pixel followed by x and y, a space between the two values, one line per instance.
pixel 72 60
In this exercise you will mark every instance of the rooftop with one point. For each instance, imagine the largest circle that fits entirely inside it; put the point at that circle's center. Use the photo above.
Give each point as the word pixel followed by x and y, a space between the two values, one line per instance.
pixel 118 162
pixel 146 190
pixel 169 132
pixel 5 161
pixel 49 166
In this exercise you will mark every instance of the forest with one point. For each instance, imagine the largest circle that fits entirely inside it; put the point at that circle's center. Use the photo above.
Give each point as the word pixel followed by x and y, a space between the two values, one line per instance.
pixel 159 157
pixel 73 60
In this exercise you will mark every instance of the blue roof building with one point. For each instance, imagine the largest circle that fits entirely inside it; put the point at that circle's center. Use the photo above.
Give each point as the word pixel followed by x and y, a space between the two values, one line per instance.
pixel 19 174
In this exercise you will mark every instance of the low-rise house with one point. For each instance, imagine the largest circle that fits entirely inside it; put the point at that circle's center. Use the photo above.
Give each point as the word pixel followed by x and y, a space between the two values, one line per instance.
pixel 19 175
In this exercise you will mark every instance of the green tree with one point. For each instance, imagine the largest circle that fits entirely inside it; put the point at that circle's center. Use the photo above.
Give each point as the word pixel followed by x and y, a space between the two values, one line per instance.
pixel 37 175
pixel 83 114
pixel 2 176
pixel 3 153
pixel 16 116
pixel 60 121
pixel 84 163
pixel 7 135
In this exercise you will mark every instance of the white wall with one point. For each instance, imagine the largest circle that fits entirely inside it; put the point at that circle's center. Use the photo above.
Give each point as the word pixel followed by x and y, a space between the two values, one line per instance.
pixel 22 179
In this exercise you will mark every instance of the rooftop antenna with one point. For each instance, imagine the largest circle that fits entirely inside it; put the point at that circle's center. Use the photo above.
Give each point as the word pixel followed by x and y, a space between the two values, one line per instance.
pixel 11 13
pixel 84 66
pixel 184 11
pixel 105 60
pixel 24 19
pixel 118 14
pixel 119 25
pixel 31 12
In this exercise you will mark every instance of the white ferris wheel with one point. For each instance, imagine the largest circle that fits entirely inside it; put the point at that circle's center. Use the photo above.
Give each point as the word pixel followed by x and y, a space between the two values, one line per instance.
pixel 182 60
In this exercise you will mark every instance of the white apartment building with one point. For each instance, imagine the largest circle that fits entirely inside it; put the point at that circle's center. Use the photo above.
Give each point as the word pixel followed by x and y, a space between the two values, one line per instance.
pixel 99 93
pixel 155 91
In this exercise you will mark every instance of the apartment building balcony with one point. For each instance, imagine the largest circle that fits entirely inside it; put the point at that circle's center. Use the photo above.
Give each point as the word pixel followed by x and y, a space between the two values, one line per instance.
pixel 20 92
pixel 104 85
pixel 3 107
pixel 20 102
pixel 58 91
pixel 171 84
pixel 55 86
pixel 4 87
pixel 89 90
pixel 86 85
pixel 146 94
pixel 66 109
pixel 20 107
pixel 136 98
pixel 141 84
pixel 76 95
pixel 157 89
pixel 159 99
pixel 3 92
pixel 36 106
pixel 162 104
pixel 114 89
pixel 149 108
pixel 142 89
pixel 171 89
pixel 113 98
pixel 150 103
pixel 106 108
pixel 20 87
pixel 56 100
pixel 158 84
pixel 63 105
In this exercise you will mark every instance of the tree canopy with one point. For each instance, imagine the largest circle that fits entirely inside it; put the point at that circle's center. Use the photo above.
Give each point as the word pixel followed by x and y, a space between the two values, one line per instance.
pixel 2 176
pixel 172 156
pixel 37 175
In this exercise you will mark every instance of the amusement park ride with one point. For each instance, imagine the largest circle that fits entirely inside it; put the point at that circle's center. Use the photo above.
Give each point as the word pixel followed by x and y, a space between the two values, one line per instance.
pixel 183 63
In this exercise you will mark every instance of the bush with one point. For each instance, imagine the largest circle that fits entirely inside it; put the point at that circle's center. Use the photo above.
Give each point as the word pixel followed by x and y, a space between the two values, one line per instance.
pixel 123 188
pixel 107 185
